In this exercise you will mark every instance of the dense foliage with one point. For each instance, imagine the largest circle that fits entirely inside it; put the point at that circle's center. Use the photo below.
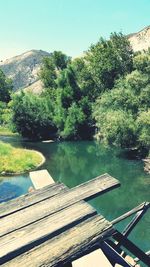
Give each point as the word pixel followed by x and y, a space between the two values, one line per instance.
pixel 105 93
pixel 32 116
pixel 51 66
pixel 75 85
pixel 72 110
pixel 5 88
pixel 123 114
pixel 108 60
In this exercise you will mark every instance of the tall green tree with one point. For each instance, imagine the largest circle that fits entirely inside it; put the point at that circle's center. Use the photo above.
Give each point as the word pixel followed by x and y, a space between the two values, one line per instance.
pixel 122 114
pixel 6 87
pixel 109 59
pixel 51 66
pixel 72 111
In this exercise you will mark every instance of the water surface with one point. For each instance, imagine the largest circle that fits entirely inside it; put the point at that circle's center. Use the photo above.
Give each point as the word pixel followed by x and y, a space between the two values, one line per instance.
pixel 76 162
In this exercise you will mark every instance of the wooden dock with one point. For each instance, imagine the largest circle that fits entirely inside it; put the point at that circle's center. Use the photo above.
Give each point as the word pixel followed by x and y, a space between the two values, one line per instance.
pixel 54 226
pixel 89 260
pixel 50 226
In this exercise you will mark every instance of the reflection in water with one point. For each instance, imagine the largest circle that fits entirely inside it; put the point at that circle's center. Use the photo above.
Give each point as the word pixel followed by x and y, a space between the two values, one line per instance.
pixel 76 162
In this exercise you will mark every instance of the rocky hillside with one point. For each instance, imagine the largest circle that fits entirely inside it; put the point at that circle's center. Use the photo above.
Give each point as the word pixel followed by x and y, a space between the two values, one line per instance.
pixel 23 69
pixel 140 40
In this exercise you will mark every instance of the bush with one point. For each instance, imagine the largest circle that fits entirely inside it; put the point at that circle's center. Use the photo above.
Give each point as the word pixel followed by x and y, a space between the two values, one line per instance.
pixel 32 116
pixel 143 123
pixel 6 87
pixel 116 127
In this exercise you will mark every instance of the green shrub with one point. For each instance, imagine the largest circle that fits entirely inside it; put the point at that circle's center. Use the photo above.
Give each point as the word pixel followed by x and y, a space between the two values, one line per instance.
pixel 32 116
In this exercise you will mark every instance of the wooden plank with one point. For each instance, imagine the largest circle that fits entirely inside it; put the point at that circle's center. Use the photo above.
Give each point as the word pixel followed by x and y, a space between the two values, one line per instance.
pixel 135 221
pixel 96 256
pixel 39 210
pixel 30 199
pixel 85 261
pixel 142 206
pixel 36 233
pixel 66 247
pixel 41 178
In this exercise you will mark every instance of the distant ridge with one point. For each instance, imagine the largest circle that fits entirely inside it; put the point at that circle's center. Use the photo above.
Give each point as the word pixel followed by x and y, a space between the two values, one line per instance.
pixel 23 69
pixel 140 40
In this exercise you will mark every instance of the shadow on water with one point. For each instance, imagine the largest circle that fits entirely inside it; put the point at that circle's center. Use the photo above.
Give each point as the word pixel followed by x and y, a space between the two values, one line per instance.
pixel 9 191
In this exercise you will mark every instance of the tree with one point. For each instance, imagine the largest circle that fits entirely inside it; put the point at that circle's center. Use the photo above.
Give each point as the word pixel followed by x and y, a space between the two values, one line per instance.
pixel 72 111
pixel 51 66
pixel 74 119
pixel 109 59
pixel 116 127
pixel 32 116
pixel 47 73
pixel 122 114
pixel 6 88
pixel 2 108
pixel 141 62
pixel 60 60
pixel 143 123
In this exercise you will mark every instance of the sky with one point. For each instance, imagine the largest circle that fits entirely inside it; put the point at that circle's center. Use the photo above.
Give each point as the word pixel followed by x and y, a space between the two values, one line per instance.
pixel 70 26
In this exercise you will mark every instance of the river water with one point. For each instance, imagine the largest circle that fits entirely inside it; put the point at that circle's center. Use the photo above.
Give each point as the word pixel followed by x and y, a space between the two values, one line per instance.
pixel 76 162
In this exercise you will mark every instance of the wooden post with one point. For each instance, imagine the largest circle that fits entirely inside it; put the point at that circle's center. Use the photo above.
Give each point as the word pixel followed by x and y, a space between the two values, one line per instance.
pixel 41 178
pixel 131 247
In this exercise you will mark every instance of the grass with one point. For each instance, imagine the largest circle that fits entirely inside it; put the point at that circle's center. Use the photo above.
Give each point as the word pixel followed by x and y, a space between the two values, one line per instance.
pixel 17 160
pixel 7 131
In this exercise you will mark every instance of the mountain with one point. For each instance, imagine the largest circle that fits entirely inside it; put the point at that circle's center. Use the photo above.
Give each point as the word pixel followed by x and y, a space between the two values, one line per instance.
pixel 140 40
pixel 23 69
pixel 36 87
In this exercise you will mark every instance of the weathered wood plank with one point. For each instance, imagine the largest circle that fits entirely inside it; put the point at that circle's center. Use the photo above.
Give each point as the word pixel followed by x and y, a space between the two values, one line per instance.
pixel 95 257
pixel 68 246
pixel 142 206
pixel 39 210
pixel 41 178
pixel 85 261
pixel 36 233
pixel 31 198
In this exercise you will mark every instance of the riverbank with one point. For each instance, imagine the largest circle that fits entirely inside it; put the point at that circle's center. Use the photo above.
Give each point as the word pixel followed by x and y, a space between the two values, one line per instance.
pixel 17 160
pixel 5 131
pixel 147 165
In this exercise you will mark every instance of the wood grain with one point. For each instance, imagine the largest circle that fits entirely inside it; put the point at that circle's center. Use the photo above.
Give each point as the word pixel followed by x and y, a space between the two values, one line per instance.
pixel 49 206
pixel 35 233
pixel 31 198
pixel 66 247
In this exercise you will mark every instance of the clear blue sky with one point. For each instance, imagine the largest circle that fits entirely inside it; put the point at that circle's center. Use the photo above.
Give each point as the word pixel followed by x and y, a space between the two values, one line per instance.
pixel 66 25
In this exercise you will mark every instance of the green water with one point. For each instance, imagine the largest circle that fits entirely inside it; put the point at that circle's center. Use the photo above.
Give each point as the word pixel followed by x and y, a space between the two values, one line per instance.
pixel 76 162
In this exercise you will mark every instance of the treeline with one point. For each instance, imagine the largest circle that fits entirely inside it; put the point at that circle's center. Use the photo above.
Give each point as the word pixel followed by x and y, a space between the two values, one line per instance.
pixel 105 93
pixel 6 89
